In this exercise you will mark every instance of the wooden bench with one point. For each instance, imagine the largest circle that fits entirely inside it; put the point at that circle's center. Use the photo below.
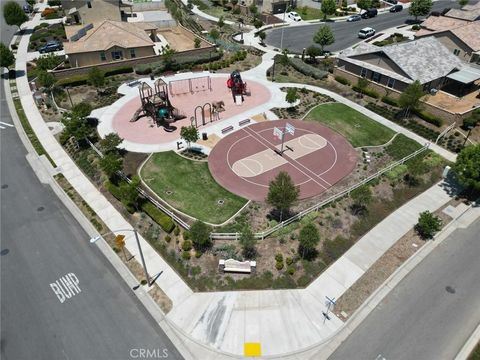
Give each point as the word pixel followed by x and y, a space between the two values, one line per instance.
pixel 244 122
pixel 227 129
pixel 232 265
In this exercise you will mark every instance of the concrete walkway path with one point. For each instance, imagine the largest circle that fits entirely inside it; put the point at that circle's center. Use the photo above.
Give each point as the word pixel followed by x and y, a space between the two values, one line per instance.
pixel 283 321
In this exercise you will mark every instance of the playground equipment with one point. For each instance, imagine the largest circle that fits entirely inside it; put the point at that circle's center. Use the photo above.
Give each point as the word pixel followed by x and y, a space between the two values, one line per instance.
pixel 202 110
pixel 238 87
pixel 157 106
pixel 193 85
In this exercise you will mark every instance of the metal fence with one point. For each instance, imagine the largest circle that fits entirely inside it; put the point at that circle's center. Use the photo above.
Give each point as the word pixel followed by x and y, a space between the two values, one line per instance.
pixel 316 207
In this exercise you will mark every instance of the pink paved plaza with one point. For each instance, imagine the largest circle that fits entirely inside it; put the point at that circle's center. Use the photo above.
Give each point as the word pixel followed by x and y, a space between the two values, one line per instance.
pixel 145 132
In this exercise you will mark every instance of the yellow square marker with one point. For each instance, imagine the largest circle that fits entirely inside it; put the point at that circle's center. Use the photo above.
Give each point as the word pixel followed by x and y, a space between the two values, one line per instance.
pixel 252 349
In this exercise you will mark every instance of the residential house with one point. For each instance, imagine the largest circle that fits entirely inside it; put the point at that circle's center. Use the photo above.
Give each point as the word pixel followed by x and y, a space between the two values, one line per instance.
pixel 91 11
pixel 468 12
pixel 111 41
pixel 396 66
pixel 461 37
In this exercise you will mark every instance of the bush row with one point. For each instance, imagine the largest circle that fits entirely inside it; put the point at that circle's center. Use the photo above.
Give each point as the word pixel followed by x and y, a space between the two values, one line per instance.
pixel 307 70
pixel 77 80
pixel 390 101
pixel 367 91
pixel 342 80
pixel 381 110
pixel 432 119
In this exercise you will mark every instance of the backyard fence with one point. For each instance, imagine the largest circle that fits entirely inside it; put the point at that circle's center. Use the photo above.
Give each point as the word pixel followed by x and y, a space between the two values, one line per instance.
pixel 262 235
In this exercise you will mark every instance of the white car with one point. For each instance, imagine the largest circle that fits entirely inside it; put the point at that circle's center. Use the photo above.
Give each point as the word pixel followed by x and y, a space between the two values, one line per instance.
pixel 294 16
pixel 366 33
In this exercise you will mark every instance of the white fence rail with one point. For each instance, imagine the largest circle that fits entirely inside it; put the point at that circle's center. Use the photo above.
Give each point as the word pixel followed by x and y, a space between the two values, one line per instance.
pixel 316 207
pixel 442 134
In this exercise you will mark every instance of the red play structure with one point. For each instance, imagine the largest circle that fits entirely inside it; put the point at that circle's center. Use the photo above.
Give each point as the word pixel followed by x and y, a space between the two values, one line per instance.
pixel 236 84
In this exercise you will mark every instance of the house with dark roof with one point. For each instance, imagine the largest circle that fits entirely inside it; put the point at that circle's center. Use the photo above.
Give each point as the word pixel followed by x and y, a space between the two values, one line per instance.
pixel 110 41
pixel 396 66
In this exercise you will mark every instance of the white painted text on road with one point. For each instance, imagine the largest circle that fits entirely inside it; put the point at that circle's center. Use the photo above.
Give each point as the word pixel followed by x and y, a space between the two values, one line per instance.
pixel 66 287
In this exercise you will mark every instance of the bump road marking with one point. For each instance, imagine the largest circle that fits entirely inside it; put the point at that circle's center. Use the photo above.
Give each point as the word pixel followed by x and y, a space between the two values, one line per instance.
pixel 66 287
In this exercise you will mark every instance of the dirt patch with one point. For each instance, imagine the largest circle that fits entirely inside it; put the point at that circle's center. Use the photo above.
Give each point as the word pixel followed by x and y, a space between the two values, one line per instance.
pixel 381 270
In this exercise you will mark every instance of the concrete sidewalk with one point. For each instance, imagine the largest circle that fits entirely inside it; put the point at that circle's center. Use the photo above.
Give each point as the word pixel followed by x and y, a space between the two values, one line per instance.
pixel 283 321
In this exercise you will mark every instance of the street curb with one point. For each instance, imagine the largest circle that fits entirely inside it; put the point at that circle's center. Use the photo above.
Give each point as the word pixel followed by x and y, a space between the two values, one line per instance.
pixel 470 345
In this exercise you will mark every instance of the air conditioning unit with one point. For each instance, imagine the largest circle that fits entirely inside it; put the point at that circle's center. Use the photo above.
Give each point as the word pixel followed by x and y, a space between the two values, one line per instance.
pixel 433 91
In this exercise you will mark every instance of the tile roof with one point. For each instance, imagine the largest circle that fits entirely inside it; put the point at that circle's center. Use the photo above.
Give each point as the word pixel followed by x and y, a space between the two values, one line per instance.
pixel 469 34
pixel 441 23
pixel 470 15
pixel 425 59
pixel 110 33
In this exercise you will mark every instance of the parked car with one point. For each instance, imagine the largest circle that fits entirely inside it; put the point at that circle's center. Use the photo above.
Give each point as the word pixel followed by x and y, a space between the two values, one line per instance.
pixel 50 46
pixel 354 18
pixel 393 2
pixel 366 33
pixel 294 16
pixel 369 13
pixel 396 8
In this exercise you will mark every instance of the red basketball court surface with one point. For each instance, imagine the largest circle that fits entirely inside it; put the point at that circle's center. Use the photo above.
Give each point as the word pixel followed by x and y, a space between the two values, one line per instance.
pixel 245 161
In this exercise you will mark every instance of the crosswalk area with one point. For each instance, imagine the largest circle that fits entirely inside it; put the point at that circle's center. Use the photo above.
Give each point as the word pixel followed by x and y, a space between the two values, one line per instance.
pixel 4 125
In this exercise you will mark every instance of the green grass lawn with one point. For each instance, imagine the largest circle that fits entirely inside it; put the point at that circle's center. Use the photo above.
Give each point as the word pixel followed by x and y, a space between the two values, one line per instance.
pixel 195 192
pixel 308 13
pixel 359 129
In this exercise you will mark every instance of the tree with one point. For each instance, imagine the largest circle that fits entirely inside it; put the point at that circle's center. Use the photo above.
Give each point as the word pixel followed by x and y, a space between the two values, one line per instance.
pixel 129 193
pixel 7 58
pixel 257 23
pixel 308 240
pixel 410 97
pixel 262 35
pixel 291 96
pixel 111 163
pixel 328 8
pixel 467 168
pixel 189 134
pixel 364 4
pixel 463 2
pixel 420 8
pixel 253 9
pixel 428 224
pixel 324 37
pixel 82 109
pixel 471 121
pixel 200 234
pixel 14 14
pixel 168 56
pixel 76 126
pixel 46 79
pixel 247 241
pixel 220 22
pixel 312 52
pixel 214 34
pixel 48 62
pixel 361 197
pixel 344 4
pixel 282 193
pixel 120 243
pixel 110 143
pixel 96 77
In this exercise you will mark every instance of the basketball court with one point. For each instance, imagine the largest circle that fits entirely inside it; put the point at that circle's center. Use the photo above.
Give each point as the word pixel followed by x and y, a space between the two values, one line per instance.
pixel 315 157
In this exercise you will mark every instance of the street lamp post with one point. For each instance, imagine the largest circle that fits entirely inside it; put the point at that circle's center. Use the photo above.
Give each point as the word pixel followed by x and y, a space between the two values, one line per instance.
pixel 94 239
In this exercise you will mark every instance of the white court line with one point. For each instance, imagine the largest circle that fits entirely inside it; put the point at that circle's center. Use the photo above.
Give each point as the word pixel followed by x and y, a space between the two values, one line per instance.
pixel 316 145
pixel 311 178
pixel 4 123
pixel 301 166
pixel 1 127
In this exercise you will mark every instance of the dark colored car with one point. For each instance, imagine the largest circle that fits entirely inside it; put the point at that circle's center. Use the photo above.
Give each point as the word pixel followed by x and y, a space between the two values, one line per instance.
pixel 370 13
pixel 27 9
pixel 50 47
pixel 396 8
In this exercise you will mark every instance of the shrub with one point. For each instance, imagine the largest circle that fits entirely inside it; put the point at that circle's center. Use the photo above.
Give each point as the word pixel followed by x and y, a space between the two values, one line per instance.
pixel 176 231
pixel 186 255
pixel 368 92
pixel 119 70
pixel 279 265
pixel 428 117
pixel 187 245
pixel 279 258
pixel 390 101
pixel 307 69
pixel 48 11
pixel 167 238
pixel 289 261
pixel 186 235
pixel 428 224
pixel 291 270
pixel 75 80
pixel 143 69
pixel 342 80
pixel 165 222
pixel 198 254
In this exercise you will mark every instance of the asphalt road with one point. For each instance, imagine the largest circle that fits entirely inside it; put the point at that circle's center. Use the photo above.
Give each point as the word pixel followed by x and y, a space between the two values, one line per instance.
pixel 42 242
pixel 431 313
pixel 300 37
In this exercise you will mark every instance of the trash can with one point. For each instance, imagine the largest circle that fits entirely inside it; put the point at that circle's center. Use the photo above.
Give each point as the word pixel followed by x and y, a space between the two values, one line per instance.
pixel 204 136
